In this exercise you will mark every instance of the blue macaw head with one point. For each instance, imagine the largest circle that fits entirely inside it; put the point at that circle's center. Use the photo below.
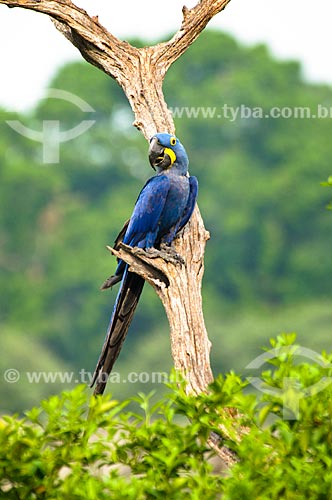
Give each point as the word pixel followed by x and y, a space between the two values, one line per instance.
pixel 166 151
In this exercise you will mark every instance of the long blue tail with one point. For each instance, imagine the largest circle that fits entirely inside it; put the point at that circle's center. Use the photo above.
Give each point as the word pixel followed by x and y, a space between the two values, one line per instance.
pixel 125 305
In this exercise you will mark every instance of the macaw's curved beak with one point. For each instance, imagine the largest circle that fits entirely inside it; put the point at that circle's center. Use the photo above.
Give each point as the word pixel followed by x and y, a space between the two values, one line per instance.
pixel 160 157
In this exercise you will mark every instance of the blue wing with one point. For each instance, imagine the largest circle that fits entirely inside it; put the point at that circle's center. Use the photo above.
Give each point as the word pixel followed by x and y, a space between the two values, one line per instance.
pixel 193 183
pixel 186 214
pixel 141 231
pixel 143 226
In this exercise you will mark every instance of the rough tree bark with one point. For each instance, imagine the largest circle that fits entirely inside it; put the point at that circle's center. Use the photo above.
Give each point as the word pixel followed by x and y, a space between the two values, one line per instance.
pixel 140 72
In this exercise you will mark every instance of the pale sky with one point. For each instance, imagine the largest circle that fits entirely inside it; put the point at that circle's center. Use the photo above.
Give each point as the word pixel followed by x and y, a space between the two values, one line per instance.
pixel 31 49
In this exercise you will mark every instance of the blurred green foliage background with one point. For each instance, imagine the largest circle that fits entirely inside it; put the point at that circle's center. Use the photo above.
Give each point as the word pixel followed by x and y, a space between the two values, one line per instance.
pixel 268 262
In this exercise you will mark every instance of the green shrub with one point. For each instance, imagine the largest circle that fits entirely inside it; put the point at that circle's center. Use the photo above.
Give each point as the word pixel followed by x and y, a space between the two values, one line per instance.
pixel 148 451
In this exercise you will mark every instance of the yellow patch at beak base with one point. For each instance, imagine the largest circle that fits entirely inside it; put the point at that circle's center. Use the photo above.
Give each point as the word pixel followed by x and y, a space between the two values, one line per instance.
pixel 171 154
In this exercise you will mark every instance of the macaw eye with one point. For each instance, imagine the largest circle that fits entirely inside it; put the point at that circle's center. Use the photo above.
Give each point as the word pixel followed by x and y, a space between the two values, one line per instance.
pixel 173 141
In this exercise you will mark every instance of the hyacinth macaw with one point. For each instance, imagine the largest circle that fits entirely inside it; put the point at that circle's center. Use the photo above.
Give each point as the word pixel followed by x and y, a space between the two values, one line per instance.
pixel 162 209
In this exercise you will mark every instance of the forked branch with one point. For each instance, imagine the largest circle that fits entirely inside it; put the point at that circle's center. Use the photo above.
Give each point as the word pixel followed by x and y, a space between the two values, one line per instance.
pixel 140 72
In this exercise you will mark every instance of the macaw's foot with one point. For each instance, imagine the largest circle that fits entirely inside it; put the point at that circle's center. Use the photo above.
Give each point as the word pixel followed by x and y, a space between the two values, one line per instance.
pixel 166 252
pixel 171 253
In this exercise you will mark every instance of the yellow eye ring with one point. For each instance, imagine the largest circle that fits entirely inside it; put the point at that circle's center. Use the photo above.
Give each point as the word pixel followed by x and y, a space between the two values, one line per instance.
pixel 173 141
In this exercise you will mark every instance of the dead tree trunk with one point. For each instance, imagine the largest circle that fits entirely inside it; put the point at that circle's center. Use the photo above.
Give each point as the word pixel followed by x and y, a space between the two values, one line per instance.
pixel 140 72
pixel 173 283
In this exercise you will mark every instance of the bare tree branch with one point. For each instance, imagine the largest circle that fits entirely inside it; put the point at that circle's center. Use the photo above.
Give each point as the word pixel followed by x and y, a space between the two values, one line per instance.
pixel 194 22
pixel 140 73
